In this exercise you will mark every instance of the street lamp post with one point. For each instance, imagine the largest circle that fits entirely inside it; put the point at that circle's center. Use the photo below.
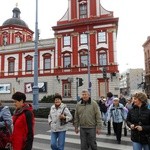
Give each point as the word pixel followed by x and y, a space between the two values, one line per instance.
pixel 88 61
pixel 35 86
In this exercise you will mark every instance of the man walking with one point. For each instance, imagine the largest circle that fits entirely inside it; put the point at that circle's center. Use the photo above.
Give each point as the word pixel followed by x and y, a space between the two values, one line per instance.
pixel 88 118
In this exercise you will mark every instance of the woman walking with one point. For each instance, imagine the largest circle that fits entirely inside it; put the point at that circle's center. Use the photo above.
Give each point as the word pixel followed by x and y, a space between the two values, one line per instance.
pixel 138 120
pixel 58 117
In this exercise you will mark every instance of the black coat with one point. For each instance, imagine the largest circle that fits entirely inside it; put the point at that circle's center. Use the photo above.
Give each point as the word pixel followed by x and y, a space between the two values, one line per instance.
pixel 139 116
pixel 102 106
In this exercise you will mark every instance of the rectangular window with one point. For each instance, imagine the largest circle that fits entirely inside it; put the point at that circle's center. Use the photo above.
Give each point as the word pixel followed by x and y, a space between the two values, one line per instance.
pixel 83 39
pixel 47 63
pixel 83 10
pixel 67 62
pixel 67 89
pixel 11 67
pixel 29 65
pixel 67 41
pixel 84 59
pixel 101 37
pixel 102 59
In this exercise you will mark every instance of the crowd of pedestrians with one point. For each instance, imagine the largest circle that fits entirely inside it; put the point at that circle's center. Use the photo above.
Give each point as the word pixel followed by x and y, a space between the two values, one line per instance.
pixel 89 118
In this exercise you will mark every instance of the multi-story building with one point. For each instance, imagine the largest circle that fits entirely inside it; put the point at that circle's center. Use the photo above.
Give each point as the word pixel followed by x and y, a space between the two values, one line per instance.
pixel 146 47
pixel 131 81
pixel 84 46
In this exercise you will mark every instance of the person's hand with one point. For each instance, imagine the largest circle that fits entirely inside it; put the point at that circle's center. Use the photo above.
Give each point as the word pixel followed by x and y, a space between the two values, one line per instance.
pixel 76 130
pixel 98 131
pixel 62 116
pixel 132 126
pixel 139 128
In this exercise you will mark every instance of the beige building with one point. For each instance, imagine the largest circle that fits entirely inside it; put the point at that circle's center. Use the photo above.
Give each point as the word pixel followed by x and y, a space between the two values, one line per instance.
pixel 131 81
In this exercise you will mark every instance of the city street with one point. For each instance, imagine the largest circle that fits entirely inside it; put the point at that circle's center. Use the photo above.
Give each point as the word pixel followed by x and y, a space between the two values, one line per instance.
pixel 104 142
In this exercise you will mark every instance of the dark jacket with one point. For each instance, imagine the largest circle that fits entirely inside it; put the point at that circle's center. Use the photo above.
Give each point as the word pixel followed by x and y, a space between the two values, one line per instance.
pixel 23 132
pixel 102 106
pixel 139 116
pixel 122 100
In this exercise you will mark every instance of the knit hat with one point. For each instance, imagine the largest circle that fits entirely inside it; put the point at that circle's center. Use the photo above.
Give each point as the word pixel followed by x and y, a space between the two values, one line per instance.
pixel 115 99
pixel 104 99
pixel 141 96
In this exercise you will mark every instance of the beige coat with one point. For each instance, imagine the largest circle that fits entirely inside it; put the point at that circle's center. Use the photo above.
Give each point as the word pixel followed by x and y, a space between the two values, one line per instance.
pixel 87 115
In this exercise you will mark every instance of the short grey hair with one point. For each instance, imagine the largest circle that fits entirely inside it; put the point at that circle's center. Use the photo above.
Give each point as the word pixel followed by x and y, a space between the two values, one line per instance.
pixel 85 91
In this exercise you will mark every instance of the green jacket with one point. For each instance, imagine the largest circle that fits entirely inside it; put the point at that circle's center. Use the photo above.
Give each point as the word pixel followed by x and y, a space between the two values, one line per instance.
pixel 87 115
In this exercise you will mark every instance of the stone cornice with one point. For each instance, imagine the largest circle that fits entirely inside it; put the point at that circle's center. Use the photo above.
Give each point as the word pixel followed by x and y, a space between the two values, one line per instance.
pixel 27 45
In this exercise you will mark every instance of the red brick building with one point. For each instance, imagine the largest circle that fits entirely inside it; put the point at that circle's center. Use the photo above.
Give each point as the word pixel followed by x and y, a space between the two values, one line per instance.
pixel 84 43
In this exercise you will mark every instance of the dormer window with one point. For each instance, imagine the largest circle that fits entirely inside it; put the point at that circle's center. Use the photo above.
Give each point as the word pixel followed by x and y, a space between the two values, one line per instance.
pixel 83 10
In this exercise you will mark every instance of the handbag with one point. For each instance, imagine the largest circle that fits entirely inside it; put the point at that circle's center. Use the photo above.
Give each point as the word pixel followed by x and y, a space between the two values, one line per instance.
pixel 63 121
pixel 5 140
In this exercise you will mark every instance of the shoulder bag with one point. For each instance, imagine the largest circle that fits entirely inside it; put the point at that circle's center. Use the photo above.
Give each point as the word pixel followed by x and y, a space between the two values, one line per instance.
pixel 63 121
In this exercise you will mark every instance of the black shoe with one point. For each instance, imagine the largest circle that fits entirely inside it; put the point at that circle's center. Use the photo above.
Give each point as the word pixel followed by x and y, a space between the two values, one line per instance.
pixel 108 134
pixel 119 142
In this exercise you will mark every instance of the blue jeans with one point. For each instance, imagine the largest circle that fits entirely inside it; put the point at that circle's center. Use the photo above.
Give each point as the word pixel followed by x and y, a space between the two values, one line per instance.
pixel 139 146
pixel 58 140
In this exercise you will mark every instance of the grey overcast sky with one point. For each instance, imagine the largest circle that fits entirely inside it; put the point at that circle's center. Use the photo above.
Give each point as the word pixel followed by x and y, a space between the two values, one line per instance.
pixel 134 23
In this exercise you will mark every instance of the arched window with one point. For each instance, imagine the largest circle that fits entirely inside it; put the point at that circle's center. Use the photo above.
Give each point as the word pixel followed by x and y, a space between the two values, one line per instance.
pixel 11 65
pixel 66 88
pixel 28 63
pixel 102 58
pixel 47 61
pixel 67 60
pixel 83 58
pixel 5 40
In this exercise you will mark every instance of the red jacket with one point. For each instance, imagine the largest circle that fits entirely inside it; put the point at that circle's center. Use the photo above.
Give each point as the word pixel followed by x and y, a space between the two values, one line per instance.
pixel 23 132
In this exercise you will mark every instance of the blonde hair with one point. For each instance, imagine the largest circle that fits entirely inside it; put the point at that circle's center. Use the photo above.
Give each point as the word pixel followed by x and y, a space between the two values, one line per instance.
pixel 141 96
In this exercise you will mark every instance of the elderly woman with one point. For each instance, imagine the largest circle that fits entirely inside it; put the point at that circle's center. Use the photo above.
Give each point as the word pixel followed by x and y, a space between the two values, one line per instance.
pixel 118 113
pixel 138 119
pixel 58 115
